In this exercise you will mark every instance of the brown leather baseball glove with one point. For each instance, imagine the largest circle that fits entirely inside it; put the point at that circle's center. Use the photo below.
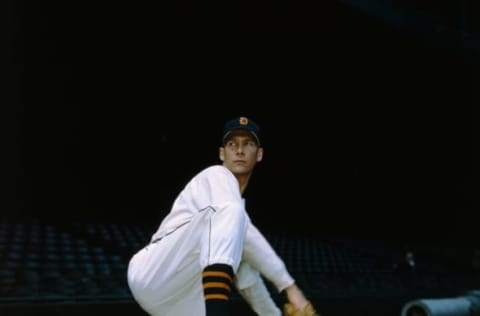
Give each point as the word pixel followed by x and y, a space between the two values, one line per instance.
pixel 308 310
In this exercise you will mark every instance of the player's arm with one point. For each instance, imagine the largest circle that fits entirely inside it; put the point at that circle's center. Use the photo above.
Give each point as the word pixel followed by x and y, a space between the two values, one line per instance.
pixel 258 252
pixel 251 287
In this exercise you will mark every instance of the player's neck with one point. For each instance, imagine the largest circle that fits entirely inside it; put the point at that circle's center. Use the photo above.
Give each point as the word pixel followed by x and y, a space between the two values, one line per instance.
pixel 243 182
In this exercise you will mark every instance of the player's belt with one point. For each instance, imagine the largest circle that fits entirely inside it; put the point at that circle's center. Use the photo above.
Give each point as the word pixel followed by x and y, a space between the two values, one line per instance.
pixel 168 233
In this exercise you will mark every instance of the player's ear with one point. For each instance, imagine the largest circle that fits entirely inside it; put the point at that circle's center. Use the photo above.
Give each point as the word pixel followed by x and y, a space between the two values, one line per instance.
pixel 259 154
pixel 221 153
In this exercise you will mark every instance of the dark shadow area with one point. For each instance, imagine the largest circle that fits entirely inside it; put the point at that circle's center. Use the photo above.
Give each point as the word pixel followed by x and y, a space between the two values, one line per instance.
pixel 368 125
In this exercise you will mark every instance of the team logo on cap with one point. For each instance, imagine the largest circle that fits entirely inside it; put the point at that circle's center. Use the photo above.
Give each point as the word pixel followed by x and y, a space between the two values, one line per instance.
pixel 243 121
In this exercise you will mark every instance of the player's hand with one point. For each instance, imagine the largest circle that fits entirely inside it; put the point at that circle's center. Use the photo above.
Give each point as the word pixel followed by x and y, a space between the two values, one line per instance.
pixel 298 304
pixel 307 310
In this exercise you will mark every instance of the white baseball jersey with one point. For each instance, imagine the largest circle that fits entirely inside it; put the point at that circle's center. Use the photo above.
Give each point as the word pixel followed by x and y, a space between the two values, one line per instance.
pixel 207 224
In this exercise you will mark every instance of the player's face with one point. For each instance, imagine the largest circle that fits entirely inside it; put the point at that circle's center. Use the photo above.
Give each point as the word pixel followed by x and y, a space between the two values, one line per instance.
pixel 240 152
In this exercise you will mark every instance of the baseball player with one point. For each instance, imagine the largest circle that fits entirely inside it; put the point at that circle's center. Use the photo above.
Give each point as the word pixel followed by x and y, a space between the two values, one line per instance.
pixel 207 243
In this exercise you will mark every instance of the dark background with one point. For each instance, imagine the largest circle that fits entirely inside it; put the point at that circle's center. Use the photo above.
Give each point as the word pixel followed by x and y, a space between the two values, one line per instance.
pixel 368 125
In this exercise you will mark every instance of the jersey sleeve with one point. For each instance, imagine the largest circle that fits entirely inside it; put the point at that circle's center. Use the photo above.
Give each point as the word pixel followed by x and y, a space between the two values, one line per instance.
pixel 258 252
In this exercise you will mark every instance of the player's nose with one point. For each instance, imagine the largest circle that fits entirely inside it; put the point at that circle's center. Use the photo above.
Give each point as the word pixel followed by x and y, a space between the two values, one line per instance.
pixel 240 149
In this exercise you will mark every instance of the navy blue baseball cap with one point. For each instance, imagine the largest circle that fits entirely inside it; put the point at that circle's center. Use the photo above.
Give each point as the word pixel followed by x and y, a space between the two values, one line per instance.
pixel 242 122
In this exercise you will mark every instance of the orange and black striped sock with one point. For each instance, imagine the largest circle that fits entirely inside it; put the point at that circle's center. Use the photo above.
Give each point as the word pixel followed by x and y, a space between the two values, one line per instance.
pixel 217 285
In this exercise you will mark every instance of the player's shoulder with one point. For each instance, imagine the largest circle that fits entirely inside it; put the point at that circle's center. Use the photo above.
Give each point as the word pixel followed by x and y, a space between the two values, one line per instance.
pixel 215 170
pixel 214 180
pixel 214 174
